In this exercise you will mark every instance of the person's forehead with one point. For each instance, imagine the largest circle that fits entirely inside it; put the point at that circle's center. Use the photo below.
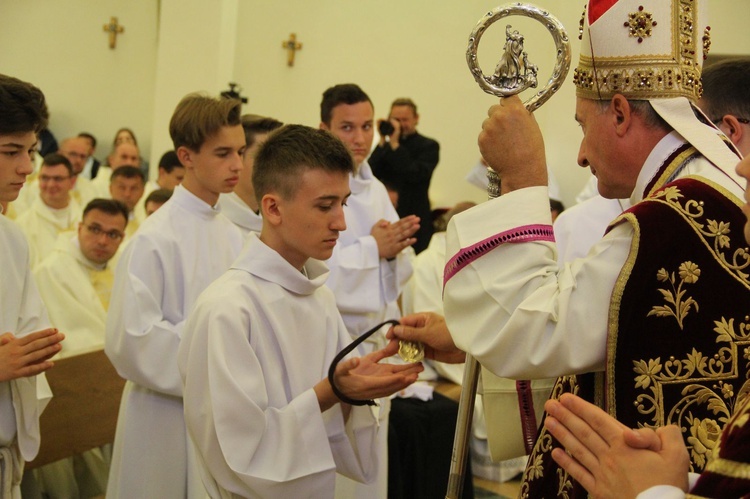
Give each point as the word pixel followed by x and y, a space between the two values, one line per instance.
pixel 228 136
pixel 127 181
pixel 403 110
pixel 57 166
pixel 105 220
pixel 358 112
pixel 126 149
pixel 18 140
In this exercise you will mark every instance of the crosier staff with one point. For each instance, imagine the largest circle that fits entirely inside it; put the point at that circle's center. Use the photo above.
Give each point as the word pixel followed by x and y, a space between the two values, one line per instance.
pixel 513 74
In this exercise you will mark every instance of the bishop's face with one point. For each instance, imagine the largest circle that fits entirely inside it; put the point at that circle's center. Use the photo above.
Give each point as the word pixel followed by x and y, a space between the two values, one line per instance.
pixel 598 153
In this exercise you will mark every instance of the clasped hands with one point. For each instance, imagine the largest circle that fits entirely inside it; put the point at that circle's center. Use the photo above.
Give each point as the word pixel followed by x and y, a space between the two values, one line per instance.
pixel 28 355
pixel 393 237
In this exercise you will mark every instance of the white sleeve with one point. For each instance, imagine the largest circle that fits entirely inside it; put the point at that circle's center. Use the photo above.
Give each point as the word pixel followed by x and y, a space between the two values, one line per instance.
pixel 512 307
pixel 140 340
pixel 662 492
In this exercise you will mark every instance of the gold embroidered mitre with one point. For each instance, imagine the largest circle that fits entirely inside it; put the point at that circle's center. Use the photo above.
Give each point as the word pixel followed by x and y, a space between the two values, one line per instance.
pixel 642 50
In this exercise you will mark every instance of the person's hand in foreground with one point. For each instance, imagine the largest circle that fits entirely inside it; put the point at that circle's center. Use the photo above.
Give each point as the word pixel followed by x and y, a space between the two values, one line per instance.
pixel 609 459
pixel 28 355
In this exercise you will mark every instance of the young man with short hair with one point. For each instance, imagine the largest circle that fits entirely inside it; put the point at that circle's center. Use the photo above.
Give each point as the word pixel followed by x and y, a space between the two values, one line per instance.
pixel 25 347
pixel 175 254
pixel 124 154
pixel 126 185
pixel 241 205
pixel 156 200
pixel 254 359
pixel 171 173
pixel 54 211
pixel 370 264
pixel 75 281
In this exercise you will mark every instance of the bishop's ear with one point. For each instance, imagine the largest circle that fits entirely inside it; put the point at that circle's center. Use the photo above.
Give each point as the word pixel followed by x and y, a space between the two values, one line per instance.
pixel 622 114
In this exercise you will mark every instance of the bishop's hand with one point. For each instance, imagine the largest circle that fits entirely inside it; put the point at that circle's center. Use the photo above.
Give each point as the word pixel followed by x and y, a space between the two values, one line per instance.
pixel 511 143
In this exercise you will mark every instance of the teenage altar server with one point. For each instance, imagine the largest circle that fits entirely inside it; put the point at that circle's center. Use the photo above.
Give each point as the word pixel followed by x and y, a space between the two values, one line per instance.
pixel 241 205
pixel 175 254
pixel 24 353
pixel 369 266
pixel 371 263
pixel 257 346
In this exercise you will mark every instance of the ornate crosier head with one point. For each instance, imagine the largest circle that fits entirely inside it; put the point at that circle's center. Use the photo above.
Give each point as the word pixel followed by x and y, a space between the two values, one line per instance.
pixel 642 50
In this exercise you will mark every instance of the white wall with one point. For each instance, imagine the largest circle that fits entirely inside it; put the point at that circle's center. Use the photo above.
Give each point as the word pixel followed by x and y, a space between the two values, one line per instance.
pixel 60 46
pixel 392 48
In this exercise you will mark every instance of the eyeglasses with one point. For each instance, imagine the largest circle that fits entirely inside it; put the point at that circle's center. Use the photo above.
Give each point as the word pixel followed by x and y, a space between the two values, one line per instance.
pixel 113 235
pixel 56 178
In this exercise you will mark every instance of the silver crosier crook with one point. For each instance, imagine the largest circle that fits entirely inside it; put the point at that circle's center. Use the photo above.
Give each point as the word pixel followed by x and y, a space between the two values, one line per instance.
pixel 513 74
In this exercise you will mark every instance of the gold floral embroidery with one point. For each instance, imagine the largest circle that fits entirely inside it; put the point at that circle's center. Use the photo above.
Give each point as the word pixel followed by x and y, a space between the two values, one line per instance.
pixel 676 306
pixel 543 446
pixel 716 232
pixel 708 390
pixel 703 439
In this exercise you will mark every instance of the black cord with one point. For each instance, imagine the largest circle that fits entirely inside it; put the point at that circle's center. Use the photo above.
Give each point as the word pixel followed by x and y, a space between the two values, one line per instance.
pixel 343 353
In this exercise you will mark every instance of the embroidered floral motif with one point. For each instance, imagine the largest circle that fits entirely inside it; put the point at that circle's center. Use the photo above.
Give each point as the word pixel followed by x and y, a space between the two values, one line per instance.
pixel 716 232
pixel 640 24
pixel 714 401
pixel 535 465
pixel 647 372
pixel 703 439
pixel 678 306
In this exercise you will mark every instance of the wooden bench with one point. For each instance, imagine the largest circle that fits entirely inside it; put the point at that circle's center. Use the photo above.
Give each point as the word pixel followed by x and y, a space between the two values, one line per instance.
pixel 82 414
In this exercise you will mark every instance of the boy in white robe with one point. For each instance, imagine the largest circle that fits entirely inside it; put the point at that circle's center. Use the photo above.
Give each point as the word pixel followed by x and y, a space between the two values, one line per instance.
pixel 371 263
pixel 176 253
pixel 241 205
pixel 24 354
pixel 257 346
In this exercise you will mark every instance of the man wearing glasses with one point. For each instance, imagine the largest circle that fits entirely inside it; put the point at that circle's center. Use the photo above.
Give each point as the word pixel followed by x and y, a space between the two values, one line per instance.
pixel 75 282
pixel 54 211
pixel 75 279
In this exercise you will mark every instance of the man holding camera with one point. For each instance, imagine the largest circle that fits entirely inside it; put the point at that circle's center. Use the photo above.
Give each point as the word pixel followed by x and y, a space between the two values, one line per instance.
pixel 404 161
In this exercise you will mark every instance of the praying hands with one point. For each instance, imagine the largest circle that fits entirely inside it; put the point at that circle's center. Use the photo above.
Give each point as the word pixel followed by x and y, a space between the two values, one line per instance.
pixel 610 459
pixel 28 355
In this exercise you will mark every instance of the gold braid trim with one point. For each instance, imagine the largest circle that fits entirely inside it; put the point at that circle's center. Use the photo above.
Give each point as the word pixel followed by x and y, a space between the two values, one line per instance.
pixel 675 165
pixel 728 468
pixel 614 311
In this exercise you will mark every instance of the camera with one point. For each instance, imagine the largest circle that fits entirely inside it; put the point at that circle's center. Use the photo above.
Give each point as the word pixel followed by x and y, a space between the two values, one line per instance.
pixel 385 128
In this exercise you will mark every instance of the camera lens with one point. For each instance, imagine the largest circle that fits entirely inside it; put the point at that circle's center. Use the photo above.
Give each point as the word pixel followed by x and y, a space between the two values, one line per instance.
pixel 385 128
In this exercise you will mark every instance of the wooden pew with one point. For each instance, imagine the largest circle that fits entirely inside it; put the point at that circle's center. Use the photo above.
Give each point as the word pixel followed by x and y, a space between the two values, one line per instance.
pixel 82 414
